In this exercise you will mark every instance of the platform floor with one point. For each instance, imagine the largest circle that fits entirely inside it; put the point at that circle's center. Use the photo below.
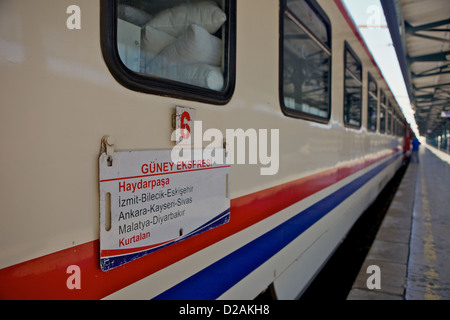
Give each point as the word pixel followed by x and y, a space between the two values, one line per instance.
pixel 412 246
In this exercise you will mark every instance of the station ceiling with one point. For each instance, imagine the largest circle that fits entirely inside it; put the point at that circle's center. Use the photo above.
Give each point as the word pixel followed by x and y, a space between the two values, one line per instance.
pixel 420 30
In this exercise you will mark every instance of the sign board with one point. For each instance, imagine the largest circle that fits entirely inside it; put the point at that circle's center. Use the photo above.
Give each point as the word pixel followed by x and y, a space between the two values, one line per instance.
pixel 184 124
pixel 148 202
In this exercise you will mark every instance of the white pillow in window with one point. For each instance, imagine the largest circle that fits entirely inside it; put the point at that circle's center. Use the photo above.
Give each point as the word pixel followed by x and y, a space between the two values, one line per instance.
pixel 133 15
pixel 174 21
pixel 154 41
pixel 201 75
pixel 196 45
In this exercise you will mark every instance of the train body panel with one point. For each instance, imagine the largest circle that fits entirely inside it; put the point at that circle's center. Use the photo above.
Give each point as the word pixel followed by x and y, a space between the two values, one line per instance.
pixel 60 99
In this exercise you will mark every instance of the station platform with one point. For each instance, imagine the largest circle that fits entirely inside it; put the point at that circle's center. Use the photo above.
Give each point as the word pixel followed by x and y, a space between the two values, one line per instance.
pixel 411 251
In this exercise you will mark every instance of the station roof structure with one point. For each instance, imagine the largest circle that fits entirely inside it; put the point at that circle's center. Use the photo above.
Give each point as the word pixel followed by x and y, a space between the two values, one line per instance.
pixel 420 31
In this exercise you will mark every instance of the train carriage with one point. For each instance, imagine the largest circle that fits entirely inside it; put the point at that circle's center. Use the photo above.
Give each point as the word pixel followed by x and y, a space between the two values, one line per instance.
pixel 320 133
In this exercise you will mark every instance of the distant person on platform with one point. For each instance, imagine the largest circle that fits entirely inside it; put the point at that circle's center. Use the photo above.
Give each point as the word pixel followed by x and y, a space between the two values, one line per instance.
pixel 415 150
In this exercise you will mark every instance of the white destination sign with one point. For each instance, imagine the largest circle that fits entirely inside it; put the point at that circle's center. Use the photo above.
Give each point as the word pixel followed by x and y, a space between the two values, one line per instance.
pixel 148 202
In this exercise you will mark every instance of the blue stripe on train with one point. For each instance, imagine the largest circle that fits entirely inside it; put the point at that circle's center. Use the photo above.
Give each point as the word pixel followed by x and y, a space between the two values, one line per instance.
pixel 220 276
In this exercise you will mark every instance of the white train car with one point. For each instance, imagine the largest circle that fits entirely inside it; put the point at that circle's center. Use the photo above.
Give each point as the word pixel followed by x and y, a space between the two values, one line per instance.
pixel 322 132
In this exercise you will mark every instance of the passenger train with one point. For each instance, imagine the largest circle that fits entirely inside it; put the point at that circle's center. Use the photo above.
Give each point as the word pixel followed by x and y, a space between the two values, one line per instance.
pixel 93 93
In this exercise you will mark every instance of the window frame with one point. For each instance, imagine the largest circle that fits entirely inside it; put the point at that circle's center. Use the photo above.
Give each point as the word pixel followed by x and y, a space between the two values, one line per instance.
pixel 389 117
pixel 348 48
pixel 383 100
pixel 289 112
pixel 370 94
pixel 395 127
pixel 161 86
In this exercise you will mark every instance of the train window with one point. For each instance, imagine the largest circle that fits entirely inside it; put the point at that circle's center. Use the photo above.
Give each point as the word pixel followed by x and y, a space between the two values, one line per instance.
pixel 394 126
pixel 401 132
pixel 401 129
pixel 394 121
pixel 305 60
pixel 382 119
pixel 382 112
pixel 352 89
pixel 372 104
pixel 180 48
pixel 383 97
pixel 389 117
